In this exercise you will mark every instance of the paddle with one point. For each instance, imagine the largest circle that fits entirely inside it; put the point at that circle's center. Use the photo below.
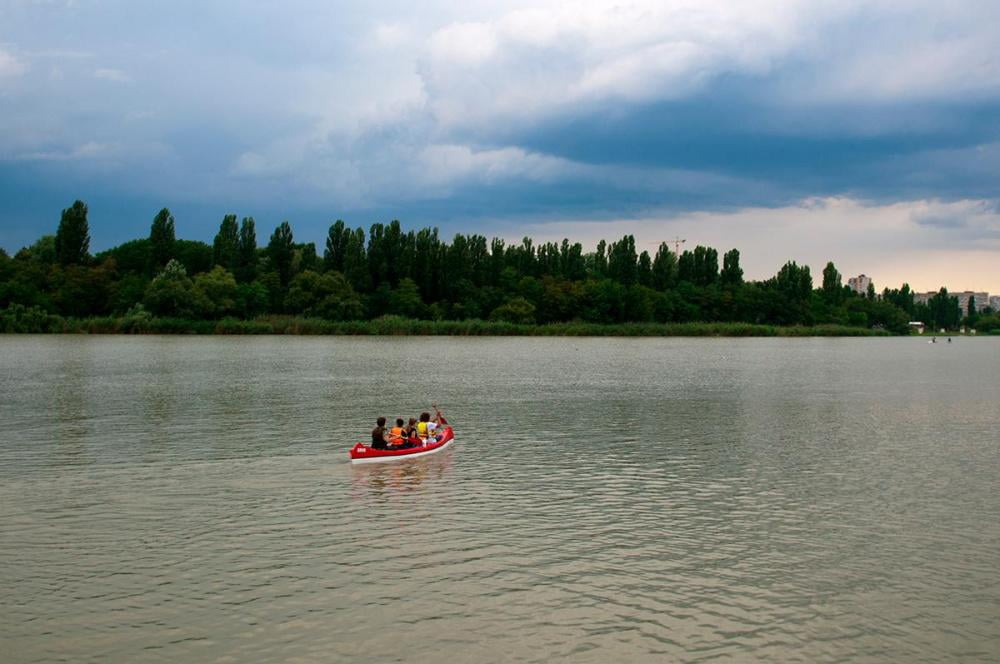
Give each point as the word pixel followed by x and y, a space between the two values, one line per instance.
pixel 437 412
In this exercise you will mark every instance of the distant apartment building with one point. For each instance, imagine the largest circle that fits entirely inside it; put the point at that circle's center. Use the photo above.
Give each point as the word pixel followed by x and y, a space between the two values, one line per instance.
pixel 995 302
pixel 859 284
pixel 982 299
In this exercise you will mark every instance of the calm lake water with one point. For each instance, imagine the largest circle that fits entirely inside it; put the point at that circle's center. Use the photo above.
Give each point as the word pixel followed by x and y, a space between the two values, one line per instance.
pixel 188 499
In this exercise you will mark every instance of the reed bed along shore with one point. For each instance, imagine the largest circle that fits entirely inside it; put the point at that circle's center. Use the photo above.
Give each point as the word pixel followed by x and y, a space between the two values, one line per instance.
pixel 37 322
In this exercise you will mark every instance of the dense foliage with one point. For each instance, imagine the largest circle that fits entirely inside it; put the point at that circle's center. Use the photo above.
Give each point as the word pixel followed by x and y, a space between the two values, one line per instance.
pixel 387 271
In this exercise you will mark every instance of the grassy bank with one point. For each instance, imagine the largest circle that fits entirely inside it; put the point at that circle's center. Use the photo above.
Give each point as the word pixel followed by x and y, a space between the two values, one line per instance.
pixel 28 321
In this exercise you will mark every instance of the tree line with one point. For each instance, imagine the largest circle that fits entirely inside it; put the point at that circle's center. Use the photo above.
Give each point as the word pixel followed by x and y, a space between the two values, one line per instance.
pixel 387 270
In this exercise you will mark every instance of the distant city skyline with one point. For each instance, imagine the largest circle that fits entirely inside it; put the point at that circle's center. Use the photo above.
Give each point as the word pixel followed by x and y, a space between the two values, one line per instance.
pixel 866 133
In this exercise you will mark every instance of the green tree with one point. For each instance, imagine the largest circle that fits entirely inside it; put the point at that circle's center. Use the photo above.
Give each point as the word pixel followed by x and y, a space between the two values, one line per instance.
pixel 81 290
pixel 645 270
pixel 901 298
pixel 664 268
pixel 944 310
pixel 172 293
pixel 132 257
pixel 870 294
pixel 304 257
pixel 561 300
pixel 732 273
pixel 605 301
pixel 990 324
pixel 44 250
pixel 686 267
pixel 336 247
pixel 226 246
pixel 326 295
pixel 793 286
pixel 162 239
pixel 705 267
pixel 280 250
pixel 305 291
pixel 599 261
pixel 622 261
pixel 246 270
pixel 195 256
pixel 356 261
pixel 515 310
pixel 128 292
pixel 404 299
pixel 219 290
pixel 72 243
pixel 833 291
pixel 252 299
pixel 572 264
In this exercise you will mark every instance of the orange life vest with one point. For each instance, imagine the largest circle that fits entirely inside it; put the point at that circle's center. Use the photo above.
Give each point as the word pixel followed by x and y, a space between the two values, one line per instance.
pixel 396 436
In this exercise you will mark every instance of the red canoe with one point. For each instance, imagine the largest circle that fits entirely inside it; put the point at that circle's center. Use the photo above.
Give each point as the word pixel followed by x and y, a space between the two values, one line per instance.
pixel 361 453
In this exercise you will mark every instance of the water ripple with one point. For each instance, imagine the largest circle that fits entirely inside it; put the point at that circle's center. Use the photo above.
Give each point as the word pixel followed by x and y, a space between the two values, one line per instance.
pixel 170 499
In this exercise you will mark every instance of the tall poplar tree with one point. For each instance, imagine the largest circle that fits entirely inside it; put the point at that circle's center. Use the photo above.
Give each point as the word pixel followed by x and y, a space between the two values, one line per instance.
pixel 225 249
pixel 664 268
pixel 162 240
pixel 686 267
pixel 246 270
pixel 336 247
pixel 599 264
pixel 622 261
pixel 645 270
pixel 280 250
pixel 356 262
pixel 833 292
pixel 73 236
pixel 732 273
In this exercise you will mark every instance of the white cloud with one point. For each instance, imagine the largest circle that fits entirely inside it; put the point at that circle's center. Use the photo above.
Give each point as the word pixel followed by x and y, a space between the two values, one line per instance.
pixel 442 164
pixel 88 150
pixel 393 104
pixel 524 62
pixel 518 64
pixel 463 44
pixel 108 74
pixel 11 66
pixel 391 35
pixel 107 154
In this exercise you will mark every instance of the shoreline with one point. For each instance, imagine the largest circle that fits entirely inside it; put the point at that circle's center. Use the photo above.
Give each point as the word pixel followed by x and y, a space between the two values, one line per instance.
pixel 397 326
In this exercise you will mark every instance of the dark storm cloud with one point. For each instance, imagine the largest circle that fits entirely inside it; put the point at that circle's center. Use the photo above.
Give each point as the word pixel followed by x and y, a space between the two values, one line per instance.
pixel 489 117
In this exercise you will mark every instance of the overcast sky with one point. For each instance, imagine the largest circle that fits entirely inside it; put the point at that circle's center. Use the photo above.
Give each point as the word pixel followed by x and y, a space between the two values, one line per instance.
pixel 867 133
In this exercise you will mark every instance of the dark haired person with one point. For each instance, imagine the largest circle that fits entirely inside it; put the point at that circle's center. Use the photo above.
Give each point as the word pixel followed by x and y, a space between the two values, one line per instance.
pixel 378 435
pixel 427 428
pixel 412 439
pixel 397 434
pixel 423 427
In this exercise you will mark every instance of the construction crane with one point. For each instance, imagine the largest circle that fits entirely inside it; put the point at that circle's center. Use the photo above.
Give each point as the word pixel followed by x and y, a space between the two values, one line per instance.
pixel 677 241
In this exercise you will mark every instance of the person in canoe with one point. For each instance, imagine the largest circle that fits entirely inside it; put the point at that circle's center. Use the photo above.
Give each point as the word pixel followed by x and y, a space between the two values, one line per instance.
pixel 379 438
pixel 427 429
pixel 411 432
pixel 439 418
pixel 397 435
